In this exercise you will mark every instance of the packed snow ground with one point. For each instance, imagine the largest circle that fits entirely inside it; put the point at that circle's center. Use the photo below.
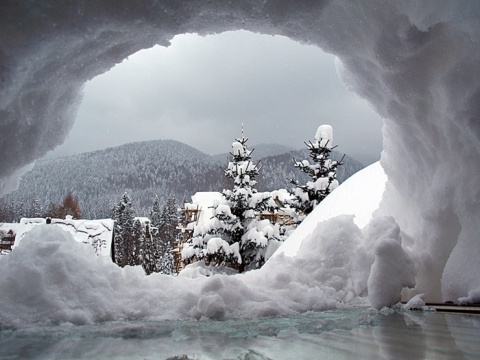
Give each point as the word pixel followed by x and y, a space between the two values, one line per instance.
pixel 51 278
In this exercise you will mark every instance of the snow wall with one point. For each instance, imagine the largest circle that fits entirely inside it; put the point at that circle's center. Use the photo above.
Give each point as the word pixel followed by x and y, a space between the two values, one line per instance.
pixel 417 64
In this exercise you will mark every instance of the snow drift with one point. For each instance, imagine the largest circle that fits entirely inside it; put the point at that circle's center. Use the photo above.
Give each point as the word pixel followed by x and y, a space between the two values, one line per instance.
pixel 51 278
pixel 417 64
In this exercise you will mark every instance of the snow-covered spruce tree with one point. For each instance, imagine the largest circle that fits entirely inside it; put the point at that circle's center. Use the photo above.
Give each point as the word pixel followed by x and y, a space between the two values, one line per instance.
pixel 167 262
pixel 122 213
pixel 149 252
pixel 155 213
pixel 235 237
pixel 169 221
pixel 322 171
pixel 168 235
pixel 155 218
pixel 35 208
pixel 136 255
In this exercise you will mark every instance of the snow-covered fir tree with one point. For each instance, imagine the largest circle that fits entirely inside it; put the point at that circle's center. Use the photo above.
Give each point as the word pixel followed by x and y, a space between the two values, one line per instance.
pixel 322 171
pixel 169 221
pixel 236 237
pixel 155 213
pixel 123 215
pixel 35 209
pixel 155 217
pixel 136 250
pixel 149 258
pixel 167 262
pixel 167 236
pixel 163 234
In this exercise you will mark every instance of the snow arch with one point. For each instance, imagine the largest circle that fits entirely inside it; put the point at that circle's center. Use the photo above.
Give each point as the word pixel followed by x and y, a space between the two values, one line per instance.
pixel 417 64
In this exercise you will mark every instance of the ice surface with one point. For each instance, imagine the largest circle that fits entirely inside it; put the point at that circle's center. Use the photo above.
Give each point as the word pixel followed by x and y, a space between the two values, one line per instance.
pixel 359 334
pixel 417 64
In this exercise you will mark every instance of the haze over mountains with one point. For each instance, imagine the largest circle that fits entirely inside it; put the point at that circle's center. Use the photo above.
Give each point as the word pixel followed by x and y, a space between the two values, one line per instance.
pixel 163 168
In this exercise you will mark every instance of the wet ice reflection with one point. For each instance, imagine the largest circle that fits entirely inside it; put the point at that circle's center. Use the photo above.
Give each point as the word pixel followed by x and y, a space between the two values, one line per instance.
pixel 337 334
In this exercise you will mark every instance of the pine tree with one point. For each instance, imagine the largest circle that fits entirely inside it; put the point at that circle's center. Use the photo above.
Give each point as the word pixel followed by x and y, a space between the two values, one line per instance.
pixel 167 265
pixel 155 217
pixel 149 253
pixel 35 208
pixel 236 241
pixel 135 252
pixel 122 213
pixel 322 171
pixel 20 210
pixel 155 213
pixel 167 234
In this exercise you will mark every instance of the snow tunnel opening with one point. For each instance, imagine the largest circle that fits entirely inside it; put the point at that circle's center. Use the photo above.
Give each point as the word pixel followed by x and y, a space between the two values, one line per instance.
pixel 416 63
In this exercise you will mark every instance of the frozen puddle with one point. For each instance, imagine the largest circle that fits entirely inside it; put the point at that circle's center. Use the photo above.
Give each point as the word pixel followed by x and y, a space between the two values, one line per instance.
pixel 360 334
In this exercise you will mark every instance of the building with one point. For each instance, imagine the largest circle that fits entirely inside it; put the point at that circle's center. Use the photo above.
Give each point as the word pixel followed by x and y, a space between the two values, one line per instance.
pixel 7 239
pixel 196 214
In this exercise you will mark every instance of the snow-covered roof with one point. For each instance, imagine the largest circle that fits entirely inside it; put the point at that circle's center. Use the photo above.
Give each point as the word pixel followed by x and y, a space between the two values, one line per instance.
pixel 97 233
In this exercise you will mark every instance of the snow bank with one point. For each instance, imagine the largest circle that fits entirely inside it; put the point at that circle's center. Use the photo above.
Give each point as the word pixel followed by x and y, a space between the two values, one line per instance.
pixel 360 196
pixel 97 233
pixel 392 269
pixel 51 278
pixel 417 64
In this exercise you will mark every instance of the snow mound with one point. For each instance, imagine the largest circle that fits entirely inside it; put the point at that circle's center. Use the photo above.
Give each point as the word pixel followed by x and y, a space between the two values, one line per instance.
pixel 360 195
pixel 52 279
pixel 415 303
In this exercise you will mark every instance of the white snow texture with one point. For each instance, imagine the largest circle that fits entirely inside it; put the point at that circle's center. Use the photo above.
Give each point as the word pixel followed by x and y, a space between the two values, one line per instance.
pixel 418 63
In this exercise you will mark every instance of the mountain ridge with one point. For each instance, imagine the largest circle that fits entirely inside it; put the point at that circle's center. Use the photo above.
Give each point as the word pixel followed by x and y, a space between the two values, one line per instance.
pixel 146 169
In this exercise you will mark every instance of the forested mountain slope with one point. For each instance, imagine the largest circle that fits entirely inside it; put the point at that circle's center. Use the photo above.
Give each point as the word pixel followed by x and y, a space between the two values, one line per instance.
pixel 162 168
pixel 145 169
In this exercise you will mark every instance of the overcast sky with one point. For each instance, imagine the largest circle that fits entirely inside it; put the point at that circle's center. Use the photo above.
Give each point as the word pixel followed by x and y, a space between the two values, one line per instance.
pixel 200 90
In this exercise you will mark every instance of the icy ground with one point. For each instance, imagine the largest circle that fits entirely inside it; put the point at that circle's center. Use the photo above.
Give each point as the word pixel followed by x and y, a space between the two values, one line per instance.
pixel 359 334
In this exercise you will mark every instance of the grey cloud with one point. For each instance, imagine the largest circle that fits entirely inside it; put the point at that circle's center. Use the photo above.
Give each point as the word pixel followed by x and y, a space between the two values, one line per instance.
pixel 188 90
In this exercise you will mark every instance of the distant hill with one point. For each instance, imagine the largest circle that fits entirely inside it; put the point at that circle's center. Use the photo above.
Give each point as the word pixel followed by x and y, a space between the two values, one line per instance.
pixel 144 169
